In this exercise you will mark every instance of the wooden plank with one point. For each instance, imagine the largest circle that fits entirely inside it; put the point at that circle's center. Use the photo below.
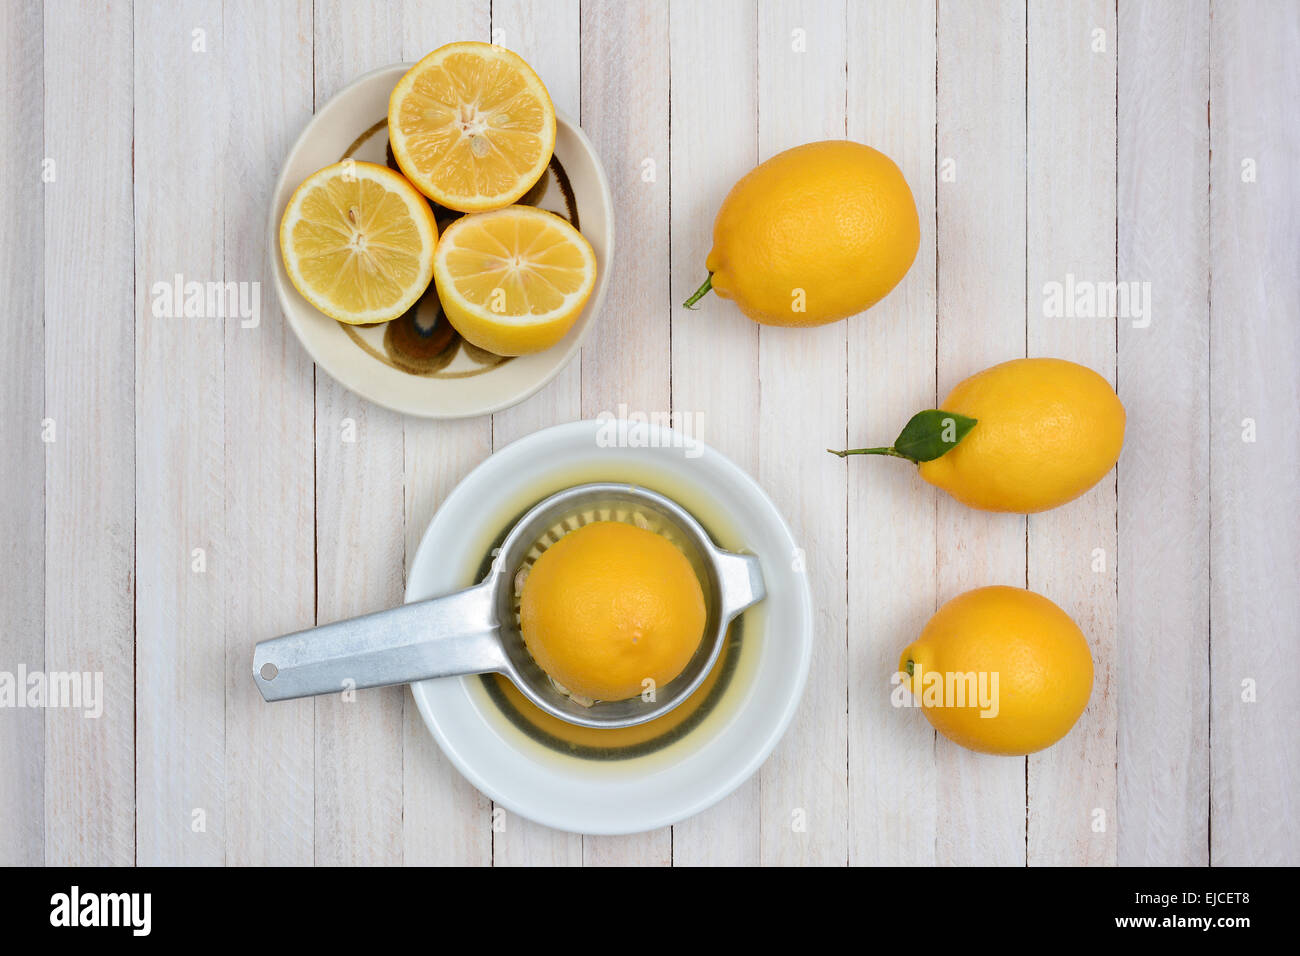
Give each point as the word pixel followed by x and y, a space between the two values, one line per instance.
pixel 981 254
pixel 627 359
pixel 445 820
pixel 89 395
pixel 1254 417
pixel 1071 232
pixel 270 446
pixel 180 435
pixel 714 351
pixel 892 531
pixel 802 411
pixel 360 466
pixel 22 394
pixel 547 34
pixel 653 848
pixel 1044 136
pixel 517 841
pixel 1163 771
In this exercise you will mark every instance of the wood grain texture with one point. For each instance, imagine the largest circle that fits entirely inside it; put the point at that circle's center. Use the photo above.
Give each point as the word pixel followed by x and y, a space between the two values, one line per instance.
pixel 180 546
pixel 360 505
pixel 625 113
pixel 445 820
pixel 714 349
pixel 1163 772
pixel 270 574
pixel 981 254
pixel 1254 416
pixel 22 394
pixel 1070 210
pixel 802 412
pixel 547 34
pixel 518 841
pixel 1165 156
pixel 90 302
pixel 891 512
pixel 627 358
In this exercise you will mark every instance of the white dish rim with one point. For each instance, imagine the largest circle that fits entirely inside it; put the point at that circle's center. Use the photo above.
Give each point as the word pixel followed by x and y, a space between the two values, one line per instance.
pixel 462 496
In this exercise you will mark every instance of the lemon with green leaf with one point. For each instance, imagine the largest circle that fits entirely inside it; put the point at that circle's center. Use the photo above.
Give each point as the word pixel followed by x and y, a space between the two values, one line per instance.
pixel 1023 436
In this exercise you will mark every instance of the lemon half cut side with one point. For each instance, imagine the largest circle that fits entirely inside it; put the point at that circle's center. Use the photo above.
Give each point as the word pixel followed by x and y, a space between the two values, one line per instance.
pixel 515 280
pixel 472 126
pixel 358 242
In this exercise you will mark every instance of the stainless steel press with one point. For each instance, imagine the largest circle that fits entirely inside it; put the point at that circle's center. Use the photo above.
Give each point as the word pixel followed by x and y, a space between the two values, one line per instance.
pixel 476 631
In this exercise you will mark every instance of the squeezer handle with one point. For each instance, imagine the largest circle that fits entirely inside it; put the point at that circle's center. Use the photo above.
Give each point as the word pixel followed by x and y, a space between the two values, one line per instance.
pixel 441 637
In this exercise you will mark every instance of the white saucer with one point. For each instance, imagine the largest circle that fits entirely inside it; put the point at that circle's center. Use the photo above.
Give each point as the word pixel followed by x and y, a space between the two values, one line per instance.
pixel 328 136
pixel 640 789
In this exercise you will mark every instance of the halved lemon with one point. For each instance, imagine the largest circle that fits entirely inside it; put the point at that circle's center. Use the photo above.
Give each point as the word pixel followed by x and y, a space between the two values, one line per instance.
pixel 472 126
pixel 513 281
pixel 357 241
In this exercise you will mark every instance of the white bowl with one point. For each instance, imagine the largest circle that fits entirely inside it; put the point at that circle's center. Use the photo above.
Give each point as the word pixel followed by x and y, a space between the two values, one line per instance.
pixel 336 127
pixel 638 787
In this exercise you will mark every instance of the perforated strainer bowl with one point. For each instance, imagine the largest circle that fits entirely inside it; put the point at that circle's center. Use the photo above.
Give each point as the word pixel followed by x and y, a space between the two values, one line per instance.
pixel 476 631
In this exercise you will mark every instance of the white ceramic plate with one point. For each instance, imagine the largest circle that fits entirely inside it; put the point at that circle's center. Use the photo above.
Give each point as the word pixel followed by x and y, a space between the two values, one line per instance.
pixel 647 786
pixel 463 389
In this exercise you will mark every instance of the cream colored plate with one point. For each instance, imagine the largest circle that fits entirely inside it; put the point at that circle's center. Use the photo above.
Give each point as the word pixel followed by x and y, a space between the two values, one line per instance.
pixel 473 383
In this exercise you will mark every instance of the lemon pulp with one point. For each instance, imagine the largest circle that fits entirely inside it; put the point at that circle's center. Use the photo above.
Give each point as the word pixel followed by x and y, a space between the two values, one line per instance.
pixel 472 126
pixel 357 242
pixel 513 281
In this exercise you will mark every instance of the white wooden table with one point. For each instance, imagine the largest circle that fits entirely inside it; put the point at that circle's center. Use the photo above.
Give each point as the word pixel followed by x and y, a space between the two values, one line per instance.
pixel 175 489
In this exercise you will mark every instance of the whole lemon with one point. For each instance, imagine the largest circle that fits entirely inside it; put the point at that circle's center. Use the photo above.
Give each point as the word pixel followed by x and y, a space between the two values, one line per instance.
pixel 1047 430
pixel 815 234
pixel 1000 670
pixel 609 607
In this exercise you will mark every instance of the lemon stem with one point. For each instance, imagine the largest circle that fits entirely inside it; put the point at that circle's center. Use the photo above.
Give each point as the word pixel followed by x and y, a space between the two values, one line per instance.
pixel 700 293
pixel 892 453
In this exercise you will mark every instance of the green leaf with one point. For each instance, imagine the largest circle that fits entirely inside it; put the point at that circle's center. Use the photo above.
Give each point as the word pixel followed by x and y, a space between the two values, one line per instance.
pixel 932 433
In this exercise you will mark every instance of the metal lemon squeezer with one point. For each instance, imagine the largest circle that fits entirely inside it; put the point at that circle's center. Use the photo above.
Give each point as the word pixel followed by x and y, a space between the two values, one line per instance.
pixel 476 631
